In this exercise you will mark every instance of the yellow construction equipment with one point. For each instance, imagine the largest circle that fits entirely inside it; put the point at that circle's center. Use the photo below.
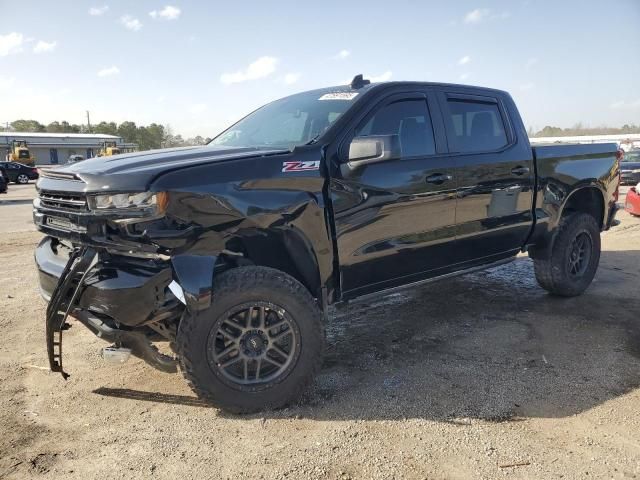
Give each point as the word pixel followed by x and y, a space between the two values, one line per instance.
pixel 20 153
pixel 108 149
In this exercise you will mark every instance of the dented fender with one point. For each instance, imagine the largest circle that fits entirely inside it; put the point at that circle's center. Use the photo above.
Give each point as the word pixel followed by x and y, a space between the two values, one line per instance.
pixel 195 275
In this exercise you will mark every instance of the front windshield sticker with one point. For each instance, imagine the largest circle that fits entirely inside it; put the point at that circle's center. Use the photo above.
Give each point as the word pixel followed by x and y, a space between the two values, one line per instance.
pixel 339 96
pixel 300 166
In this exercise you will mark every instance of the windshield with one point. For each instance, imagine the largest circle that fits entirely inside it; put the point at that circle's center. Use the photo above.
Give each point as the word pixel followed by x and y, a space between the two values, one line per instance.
pixel 288 122
pixel 631 157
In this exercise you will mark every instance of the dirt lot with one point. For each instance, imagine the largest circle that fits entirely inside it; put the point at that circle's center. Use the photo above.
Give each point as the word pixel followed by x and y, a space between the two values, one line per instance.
pixel 483 376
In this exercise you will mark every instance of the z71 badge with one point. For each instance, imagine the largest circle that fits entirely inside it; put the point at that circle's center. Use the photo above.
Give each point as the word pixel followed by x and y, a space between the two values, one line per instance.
pixel 300 166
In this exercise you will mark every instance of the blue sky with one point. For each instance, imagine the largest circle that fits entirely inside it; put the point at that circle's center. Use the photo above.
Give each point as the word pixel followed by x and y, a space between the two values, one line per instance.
pixel 199 65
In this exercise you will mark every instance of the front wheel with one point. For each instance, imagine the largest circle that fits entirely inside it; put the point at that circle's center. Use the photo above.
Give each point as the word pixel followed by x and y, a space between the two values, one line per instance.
pixel 22 179
pixel 574 257
pixel 258 345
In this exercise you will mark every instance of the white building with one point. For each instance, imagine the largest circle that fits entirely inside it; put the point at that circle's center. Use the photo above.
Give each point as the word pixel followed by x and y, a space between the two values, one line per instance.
pixel 626 141
pixel 55 148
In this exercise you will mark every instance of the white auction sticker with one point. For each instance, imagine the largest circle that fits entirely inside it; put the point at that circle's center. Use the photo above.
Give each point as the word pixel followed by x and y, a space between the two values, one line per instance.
pixel 339 96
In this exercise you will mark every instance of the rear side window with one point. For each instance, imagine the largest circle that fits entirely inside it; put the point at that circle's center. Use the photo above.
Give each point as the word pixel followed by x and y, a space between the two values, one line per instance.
pixel 410 120
pixel 477 126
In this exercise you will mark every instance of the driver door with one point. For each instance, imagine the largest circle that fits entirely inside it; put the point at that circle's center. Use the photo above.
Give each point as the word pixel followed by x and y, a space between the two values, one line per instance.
pixel 395 219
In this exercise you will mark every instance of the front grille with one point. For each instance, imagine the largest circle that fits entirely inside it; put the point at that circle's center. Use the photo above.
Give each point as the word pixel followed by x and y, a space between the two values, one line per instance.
pixel 74 202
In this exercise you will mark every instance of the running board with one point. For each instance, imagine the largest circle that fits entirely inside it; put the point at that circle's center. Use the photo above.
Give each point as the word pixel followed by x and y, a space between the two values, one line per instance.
pixel 458 273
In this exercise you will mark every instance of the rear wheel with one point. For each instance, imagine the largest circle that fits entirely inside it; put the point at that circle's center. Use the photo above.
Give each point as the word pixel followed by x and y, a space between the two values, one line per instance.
pixel 574 258
pixel 22 179
pixel 258 346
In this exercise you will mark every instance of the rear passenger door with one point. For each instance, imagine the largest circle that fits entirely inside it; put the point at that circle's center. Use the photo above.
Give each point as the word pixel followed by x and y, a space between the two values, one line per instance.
pixel 494 173
pixel 395 220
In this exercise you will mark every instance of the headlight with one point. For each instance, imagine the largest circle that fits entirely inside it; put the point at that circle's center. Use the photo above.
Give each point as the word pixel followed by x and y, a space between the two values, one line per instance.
pixel 139 203
pixel 637 170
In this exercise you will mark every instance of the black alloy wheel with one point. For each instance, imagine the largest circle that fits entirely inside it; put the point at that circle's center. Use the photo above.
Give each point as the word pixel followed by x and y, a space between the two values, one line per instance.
pixel 253 344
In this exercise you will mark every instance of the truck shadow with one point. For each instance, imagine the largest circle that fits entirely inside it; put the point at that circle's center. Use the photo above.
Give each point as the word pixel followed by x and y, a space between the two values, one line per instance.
pixel 490 346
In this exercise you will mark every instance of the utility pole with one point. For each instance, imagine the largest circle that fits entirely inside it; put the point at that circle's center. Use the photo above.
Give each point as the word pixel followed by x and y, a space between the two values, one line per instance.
pixel 88 122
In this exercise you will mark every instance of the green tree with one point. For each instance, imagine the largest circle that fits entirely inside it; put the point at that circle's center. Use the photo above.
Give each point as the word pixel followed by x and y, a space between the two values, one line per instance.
pixel 110 128
pixel 155 135
pixel 128 131
pixel 27 126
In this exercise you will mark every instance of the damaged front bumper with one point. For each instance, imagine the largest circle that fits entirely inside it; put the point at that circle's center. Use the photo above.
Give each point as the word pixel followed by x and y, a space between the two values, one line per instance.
pixel 123 300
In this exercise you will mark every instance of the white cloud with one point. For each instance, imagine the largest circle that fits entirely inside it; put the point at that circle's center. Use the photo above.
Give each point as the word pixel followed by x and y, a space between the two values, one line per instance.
pixel 624 105
pixel 167 13
pixel 384 77
pixel 131 23
pixel 262 67
pixel 464 76
pixel 43 47
pixel 109 71
pixel 197 108
pixel 97 11
pixel 11 43
pixel 342 54
pixel 477 15
pixel 481 14
pixel 531 62
pixel 291 78
pixel 6 82
pixel 527 86
pixel 464 60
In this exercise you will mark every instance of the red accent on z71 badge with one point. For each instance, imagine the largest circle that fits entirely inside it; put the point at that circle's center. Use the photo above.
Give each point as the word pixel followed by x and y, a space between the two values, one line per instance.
pixel 300 166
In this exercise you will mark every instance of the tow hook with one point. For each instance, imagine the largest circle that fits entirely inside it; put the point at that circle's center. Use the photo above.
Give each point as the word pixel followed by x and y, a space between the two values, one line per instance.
pixel 116 355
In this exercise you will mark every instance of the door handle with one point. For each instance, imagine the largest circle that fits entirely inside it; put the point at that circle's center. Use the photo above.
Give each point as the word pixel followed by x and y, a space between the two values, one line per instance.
pixel 438 178
pixel 520 170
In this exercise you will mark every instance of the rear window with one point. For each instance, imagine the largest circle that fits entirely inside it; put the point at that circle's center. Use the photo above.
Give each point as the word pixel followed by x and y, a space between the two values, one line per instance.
pixel 477 126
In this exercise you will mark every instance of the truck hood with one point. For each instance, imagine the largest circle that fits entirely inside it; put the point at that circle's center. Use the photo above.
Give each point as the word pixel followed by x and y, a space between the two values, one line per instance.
pixel 135 171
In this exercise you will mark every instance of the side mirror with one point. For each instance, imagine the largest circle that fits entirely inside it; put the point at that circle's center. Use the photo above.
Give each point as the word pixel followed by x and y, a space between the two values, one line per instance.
pixel 372 149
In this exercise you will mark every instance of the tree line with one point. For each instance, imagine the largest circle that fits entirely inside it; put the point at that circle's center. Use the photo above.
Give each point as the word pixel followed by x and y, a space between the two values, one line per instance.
pixel 147 137
pixel 156 135
pixel 580 129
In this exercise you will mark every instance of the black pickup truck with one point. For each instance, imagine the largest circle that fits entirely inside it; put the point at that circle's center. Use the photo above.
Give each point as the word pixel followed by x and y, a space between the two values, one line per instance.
pixel 231 253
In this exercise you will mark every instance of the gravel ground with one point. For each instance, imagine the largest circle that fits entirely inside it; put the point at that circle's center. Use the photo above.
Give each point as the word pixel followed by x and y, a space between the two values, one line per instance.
pixel 482 376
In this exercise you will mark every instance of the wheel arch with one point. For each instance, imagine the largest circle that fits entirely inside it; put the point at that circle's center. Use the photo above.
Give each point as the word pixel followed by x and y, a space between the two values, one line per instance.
pixel 588 199
pixel 288 250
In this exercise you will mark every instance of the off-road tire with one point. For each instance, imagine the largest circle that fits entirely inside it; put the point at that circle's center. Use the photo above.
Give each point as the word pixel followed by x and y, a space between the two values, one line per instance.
pixel 236 287
pixel 553 271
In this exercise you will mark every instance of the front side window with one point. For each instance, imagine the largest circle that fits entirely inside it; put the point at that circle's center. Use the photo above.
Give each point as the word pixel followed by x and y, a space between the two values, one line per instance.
pixel 477 126
pixel 410 120
pixel 288 122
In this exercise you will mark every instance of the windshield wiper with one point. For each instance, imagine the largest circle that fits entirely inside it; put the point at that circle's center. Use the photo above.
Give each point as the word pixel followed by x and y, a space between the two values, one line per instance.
pixel 313 140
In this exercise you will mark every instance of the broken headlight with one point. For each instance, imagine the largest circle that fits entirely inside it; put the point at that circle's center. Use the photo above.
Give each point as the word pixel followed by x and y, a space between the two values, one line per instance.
pixel 139 203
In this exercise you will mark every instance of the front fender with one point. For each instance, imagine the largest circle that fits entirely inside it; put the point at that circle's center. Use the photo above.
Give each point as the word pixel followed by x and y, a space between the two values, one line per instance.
pixel 195 275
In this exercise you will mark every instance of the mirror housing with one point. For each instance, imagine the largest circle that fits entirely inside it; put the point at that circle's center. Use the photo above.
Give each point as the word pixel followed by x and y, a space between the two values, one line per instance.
pixel 373 149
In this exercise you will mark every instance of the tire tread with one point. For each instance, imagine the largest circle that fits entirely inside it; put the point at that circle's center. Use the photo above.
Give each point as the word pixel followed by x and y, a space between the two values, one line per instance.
pixel 238 279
